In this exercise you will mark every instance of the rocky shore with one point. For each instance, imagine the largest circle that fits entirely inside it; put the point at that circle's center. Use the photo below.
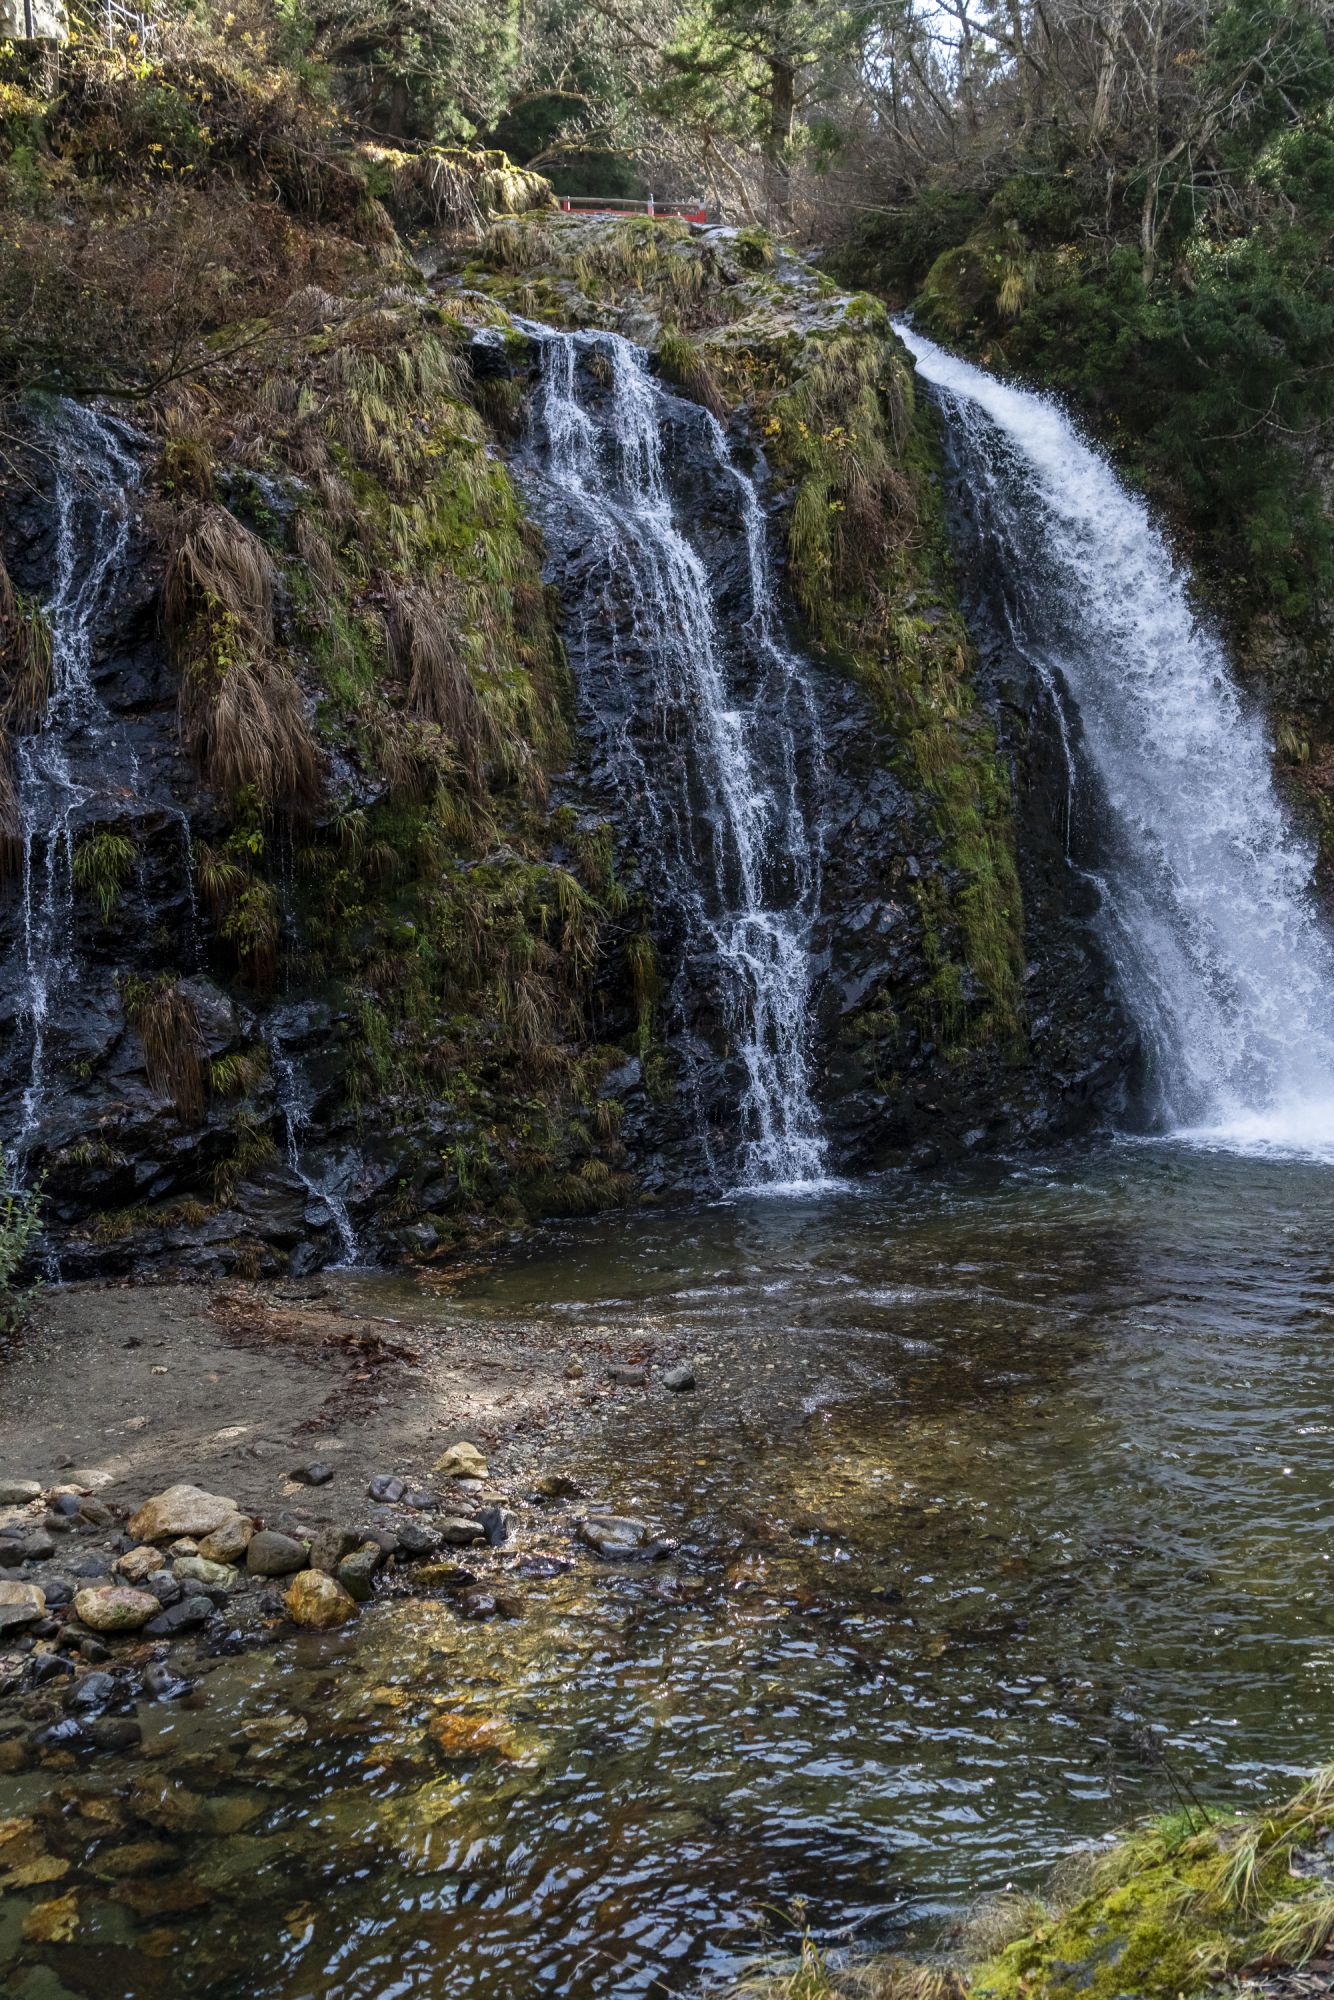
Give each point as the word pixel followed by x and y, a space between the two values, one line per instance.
pixel 124 1573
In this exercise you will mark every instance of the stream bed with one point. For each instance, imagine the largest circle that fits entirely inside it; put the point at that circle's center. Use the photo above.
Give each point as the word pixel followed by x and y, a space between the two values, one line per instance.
pixel 1003 1513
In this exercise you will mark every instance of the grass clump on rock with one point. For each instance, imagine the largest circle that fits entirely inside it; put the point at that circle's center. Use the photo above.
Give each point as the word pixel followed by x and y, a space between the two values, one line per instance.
pixel 1180 1909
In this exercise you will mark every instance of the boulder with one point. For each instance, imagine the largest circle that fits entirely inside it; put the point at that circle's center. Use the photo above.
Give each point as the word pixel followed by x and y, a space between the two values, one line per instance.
pixel 19 1492
pixel 460 1532
pixel 314 1599
pixel 461 1461
pixel 24 1593
pixel 115 1607
pixel 181 1510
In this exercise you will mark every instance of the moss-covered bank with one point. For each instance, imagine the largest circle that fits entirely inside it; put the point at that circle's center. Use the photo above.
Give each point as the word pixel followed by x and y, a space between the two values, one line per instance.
pixel 1192 1905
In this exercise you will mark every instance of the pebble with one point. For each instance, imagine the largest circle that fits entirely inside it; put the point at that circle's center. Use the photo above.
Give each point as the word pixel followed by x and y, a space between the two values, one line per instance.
pixel 213 1575
pixel 181 1510
pixel 461 1461
pixel 317 1473
pixel 679 1379
pixel 164 1587
pixel 424 1502
pixel 574 1371
pixel 629 1378
pixel 272 1554
pixel 138 1563
pixel 115 1607
pixel 385 1486
pixel 317 1601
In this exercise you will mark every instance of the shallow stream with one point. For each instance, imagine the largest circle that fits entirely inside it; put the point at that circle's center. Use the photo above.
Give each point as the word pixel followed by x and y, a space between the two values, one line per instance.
pixel 1005 1512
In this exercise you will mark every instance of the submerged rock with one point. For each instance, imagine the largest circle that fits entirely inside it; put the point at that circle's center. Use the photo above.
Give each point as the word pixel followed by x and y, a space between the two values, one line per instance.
pixel 613 1534
pixel 679 1379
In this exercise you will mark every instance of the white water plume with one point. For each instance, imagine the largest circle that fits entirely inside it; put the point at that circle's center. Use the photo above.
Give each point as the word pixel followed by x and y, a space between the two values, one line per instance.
pixel 1205 900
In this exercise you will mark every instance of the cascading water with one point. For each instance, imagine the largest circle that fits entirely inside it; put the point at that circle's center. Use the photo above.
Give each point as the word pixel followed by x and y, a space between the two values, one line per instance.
pixel 78 763
pixel 728 783
pixel 293 1102
pixel 1204 886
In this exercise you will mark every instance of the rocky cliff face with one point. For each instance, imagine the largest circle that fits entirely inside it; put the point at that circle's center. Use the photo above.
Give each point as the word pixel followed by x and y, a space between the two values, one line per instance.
pixel 350 937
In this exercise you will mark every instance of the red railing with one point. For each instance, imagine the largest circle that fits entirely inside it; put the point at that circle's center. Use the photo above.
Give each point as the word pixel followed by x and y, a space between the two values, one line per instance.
pixel 593 204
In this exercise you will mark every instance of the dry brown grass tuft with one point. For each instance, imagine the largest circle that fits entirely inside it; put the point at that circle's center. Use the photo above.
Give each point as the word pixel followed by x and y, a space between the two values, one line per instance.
pixel 245 724
pixel 219 562
pixel 426 648
pixel 175 1054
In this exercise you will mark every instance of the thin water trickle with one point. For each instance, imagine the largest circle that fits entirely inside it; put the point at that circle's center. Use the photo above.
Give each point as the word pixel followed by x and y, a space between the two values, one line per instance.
pixel 78 758
pixel 1205 904
pixel 294 1105
pixel 728 777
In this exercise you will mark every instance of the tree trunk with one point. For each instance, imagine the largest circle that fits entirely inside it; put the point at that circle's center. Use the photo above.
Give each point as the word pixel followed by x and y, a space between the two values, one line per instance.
pixel 778 138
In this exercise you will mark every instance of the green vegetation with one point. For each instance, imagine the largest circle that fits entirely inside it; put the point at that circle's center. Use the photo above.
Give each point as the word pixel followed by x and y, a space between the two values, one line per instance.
pixel 1179 1909
pixel 20 1220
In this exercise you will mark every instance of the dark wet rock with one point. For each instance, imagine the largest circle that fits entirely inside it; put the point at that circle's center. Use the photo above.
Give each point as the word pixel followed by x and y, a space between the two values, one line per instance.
pixel 626 1376
pixel 614 1534
pixel 499 1524
pixel 188 1615
pixel 92 1693
pixel 274 1554
pixel 89 1565
pixel 543 1565
pixel 379 1531
pixel 446 1576
pixel 163 1683
pixel 357 1571
pixel 316 1473
pixel 43 1668
pixel 165 1588
pixel 478 1603
pixel 386 1486
pixel 679 1379
pixel 422 1501
pixel 556 1486
pixel 114 1732
pixel 57 1524
pixel 94 1651
pixel 509 1605
pixel 328 1546
pixel 459 1531
pixel 57 1591
pixel 64 1504
pixel 16 1549
pixel 18 1618
pixel 415 1538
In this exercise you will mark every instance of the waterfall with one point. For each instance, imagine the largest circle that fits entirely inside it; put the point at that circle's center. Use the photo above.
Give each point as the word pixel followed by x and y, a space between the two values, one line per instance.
pixel 1205 909
pixel 293 1102
pixel 78 759
pixel 724 772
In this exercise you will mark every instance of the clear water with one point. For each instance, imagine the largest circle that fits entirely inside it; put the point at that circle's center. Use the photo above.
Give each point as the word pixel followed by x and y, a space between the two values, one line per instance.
pixel 728 800
pixel 1004 1510
pixel 1205 906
